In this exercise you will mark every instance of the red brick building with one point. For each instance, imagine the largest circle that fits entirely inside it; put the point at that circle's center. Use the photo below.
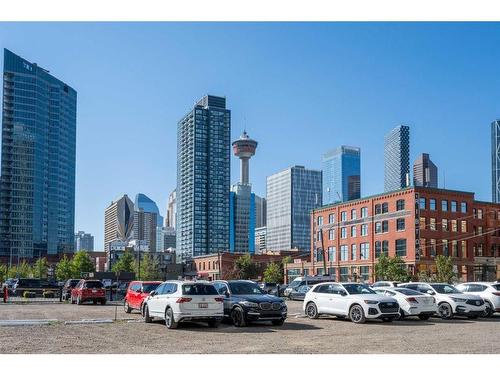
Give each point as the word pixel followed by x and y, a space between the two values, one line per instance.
pixel 415 223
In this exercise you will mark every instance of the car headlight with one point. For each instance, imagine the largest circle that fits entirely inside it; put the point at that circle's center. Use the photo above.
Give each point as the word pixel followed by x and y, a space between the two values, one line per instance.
pixel 370 302
pixel 249 304
pixel 458 299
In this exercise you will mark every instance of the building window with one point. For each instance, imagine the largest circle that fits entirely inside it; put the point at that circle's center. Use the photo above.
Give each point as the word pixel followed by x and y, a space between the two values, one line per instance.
pixel 378 248
pixel 343 232
pixel 401 247
pixel 318 235
pixel 343 253
pixel 444 225
pixel 332 254
pixel 353 214
pixel 385 208
pixel 421 203
pixel 385 226
pixel 445 248
pixel 463 207
pixel 454 226
pixel 353 231
pixel 353 252
pixel 378 209
pixel 364 229
pixel 400 205
pixel 464 249
pixel 474 213
pixel 453 206
pixel 364 273
pixel 385 247
pixel 364 212
pixel 344 274
pixel 464 226
pixel 422 223
pixel 479 213
pixel 433 248
pixel 343 216
pixel 365 251
pixel 320 220
pixel 400 224
pixel 454 248
pixel 331 234
pixel 432 204
pixel 319 255
pixel 444 205
pixel 479 230
pixel 331 218
pixel 378 227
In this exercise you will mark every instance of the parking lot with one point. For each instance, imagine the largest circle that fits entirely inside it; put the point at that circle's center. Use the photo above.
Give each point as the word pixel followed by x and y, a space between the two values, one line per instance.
pixel 297 335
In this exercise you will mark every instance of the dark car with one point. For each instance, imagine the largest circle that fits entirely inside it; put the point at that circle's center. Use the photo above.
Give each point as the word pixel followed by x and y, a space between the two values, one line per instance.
pixel 245 301
pixel 299 293
pixel 68 286
pixel 278 290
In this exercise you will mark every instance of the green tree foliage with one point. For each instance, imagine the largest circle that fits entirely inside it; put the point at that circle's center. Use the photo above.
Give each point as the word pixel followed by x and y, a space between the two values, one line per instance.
pixel 391 268
pixel 246 267
pixel 81 262
pixel 273 273
pixel 150 268
pixel 23 269
pixel 126 263
pixel 40 268
pixel 286 260
pixel 3 273
pixel 382 267
pixel 64 269
pixel 444 269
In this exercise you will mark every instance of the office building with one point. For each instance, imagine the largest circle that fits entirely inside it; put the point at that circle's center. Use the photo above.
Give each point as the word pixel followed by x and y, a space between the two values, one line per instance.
pixel 203 179
pixel 143 202
pixel 37 189
pixel 425 172
pixel 119 222
pixel 495 161
pixel 397 159
pixel 145 228
pixel 291 195
pixel 84 241
pixel 342 174
pixel 171 210
pixel 260 211
pixel 260 240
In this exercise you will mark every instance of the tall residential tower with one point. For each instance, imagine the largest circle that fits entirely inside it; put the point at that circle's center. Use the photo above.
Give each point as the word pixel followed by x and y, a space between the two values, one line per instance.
pixel 397 158
pixel 425 172
pixel 495 161
pixel 341 174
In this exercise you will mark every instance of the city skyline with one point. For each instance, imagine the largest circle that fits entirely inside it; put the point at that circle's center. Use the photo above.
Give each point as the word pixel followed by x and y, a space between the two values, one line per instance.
pixel 101 175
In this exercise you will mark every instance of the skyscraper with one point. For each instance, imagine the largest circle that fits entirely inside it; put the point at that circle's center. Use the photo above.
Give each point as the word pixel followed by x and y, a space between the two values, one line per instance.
pixel 260 211
pixel 84 241
pixel 37 192
pixel 397 158
pixel 145 203
pixel 495 161
pixel 425 172
pixel 291 195
pixel 119 221
pixel 145 228
pixel 242 200
pixel 341 174
pixel 203 179
pixel 171 210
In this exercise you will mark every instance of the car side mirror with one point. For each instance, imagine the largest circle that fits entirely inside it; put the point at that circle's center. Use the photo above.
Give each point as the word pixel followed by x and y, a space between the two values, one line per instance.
pixel 153 293
pixel 430 292
pixel 343 294
pixel 226 293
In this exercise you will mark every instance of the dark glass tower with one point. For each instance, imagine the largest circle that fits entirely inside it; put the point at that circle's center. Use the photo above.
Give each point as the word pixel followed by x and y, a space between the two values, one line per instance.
pixel 37 192
pixel 397 159
pixel 342 174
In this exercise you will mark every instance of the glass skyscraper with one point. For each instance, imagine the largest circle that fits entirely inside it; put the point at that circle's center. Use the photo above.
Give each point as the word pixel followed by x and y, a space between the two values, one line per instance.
pixel 425 172
pixel 291 195
pixel 143 202
pixel 397 158
pixel 203 179
pixel 37 192
pixel 342 174
pixel 495 161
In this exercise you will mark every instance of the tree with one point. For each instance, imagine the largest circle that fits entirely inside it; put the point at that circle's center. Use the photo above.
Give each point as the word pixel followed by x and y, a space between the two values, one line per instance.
pixel 444 269
pixel 245 267
pixel 391 268
pixel 64 269
pixel 3 273
pixel 150 268
pixel 81 262
pixel 382 267
pixel 125 263
pixel 40 268
pixel 22 270
pixel 273 273
pixel 286 260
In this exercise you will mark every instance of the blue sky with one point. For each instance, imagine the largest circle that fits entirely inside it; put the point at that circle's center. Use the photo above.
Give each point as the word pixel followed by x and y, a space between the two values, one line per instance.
pixel 298 88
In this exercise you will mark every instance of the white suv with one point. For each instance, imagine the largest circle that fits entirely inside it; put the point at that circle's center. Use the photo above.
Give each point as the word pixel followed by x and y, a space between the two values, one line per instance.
pixel 489 292
pixel 181 301
pixel 450 300
pixel 353 300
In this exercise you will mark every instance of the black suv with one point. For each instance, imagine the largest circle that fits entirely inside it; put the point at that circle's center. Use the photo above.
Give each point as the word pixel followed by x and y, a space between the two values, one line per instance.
pixel 245 301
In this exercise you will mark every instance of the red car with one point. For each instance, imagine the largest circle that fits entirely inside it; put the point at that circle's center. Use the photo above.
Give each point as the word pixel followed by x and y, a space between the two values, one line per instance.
pixel 88 290
pixel 136 293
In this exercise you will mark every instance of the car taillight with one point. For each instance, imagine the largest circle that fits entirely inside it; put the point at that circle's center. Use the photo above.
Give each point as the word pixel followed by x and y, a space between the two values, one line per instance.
pixel 496 293
pixel 219 299
pixel 412 300
pixel 183 299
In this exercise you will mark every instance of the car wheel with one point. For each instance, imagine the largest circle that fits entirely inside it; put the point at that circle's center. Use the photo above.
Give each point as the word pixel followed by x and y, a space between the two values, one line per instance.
pixel 278 322
pixel 238 317
pixel 78 300
pixel 445 311
pixel 169 319
pixel 126 307
pixel 357 314
pixel 147 318
pixel 213 323
pixel 424 317
pixel 401 314
pixel 312 311
pixel 488 312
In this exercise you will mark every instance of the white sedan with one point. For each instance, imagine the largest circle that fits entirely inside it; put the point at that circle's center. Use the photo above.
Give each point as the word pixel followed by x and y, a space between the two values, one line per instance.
pixel 411 302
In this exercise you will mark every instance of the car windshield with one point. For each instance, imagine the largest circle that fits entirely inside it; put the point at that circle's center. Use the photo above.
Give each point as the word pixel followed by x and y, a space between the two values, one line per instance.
pixel 358 289
pixel 294 283
pixel 73 283
pixel 496 286
pixel 93 284
pixel 199 290
pixel 242 288
pixel 408 292
pixel 148 288
pixel 445 289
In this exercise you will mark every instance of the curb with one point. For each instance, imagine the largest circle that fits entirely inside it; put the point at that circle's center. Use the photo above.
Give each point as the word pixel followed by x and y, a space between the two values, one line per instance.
pixel 33 322
pixel 88 321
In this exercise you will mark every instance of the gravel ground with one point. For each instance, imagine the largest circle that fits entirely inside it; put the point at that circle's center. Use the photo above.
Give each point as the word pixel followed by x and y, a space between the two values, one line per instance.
pixel 297 335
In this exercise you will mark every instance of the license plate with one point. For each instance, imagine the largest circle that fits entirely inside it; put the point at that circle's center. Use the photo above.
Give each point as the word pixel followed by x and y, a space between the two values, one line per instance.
pixel 203 305
pixel 94 290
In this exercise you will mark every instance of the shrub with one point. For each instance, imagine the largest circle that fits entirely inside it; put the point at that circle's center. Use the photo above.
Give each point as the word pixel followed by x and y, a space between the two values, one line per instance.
pixel 49 294
pixel 28 294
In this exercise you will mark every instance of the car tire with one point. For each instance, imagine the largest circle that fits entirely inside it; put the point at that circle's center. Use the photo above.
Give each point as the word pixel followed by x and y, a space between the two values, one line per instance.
pixel 126 307
pixel 278 322
pixel 489 311
pixel 357 314
pixel 238 317
pixel 78 300
pixel 312 311
pixel 445 311
pixel 169 319
pixel 402 315
pixel 213 323
pixel 147 318
pixel 424 317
